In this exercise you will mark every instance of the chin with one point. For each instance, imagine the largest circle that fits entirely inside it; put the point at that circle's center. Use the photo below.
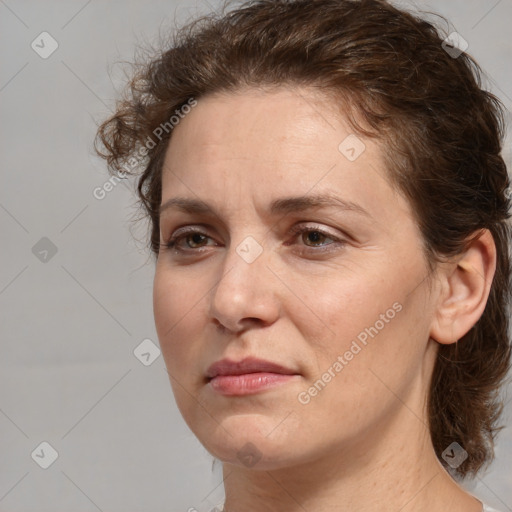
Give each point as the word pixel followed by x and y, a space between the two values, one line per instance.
pixel 253 441
pixel 255 456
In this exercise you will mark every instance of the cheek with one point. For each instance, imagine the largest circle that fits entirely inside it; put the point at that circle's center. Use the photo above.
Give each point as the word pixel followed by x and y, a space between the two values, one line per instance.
pixel 176 305
pixel 359 372
pixel 373 322
pixel 332 311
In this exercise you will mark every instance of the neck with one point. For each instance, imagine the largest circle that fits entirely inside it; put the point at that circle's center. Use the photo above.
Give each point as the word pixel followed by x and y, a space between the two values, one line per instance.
pixel 384 473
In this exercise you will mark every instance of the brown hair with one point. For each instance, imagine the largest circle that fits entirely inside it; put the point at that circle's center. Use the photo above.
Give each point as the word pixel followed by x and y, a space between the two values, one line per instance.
pixel 441 131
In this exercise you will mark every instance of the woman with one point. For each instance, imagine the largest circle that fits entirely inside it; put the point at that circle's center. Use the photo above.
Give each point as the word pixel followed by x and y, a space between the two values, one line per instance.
pixel 328 206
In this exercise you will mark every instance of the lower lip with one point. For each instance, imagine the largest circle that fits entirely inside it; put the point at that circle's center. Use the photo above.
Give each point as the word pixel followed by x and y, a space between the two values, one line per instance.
pixel 247 383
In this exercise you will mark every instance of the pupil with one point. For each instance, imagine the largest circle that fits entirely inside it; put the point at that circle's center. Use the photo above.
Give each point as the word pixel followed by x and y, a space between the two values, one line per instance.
pixel 195 237
pixel 315 236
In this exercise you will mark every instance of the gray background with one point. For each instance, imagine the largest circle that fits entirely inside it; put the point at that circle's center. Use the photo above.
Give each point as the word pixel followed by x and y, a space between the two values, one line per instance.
pixel 70 324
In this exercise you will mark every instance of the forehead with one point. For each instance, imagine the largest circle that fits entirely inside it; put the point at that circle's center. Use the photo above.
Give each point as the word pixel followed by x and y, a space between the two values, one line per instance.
pixel 292 126
pixel 267 144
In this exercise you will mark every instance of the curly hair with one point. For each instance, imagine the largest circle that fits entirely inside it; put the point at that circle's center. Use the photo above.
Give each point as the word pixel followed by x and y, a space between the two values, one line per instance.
pixel 442 134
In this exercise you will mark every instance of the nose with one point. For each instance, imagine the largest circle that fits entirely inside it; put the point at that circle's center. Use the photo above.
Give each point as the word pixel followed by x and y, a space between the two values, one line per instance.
pixel 247 290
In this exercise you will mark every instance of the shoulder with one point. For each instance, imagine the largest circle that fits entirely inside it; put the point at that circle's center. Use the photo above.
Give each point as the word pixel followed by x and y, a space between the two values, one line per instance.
pixel 486 508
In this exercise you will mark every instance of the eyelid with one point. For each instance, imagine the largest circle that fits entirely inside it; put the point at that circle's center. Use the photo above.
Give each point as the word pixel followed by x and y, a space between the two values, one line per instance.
pixel 301 228
pixel 194 228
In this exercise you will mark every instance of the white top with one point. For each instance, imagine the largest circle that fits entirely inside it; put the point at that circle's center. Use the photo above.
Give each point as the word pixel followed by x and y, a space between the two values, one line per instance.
pixel 485 509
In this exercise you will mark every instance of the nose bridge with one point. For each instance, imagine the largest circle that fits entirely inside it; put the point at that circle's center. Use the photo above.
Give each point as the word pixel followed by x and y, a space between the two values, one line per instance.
pixel 244 289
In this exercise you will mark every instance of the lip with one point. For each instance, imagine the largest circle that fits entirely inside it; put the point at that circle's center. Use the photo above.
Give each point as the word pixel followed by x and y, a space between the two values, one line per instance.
pixel 246 365
pixel 248 376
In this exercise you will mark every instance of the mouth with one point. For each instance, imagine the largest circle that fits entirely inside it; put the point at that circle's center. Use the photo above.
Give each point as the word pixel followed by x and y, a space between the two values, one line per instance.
pixel 249 376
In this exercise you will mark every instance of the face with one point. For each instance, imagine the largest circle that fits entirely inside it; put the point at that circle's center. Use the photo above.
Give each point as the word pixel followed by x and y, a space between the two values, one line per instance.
pixel 305 257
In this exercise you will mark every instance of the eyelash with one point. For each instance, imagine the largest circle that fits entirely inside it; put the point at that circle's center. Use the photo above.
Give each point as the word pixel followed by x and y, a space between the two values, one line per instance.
pixel 172 243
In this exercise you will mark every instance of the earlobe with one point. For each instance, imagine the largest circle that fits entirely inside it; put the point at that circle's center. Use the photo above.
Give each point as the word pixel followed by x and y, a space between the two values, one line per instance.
pixel 465 287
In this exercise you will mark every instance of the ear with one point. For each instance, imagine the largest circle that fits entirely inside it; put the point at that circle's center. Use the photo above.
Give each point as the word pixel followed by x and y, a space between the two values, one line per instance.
pixel 465 287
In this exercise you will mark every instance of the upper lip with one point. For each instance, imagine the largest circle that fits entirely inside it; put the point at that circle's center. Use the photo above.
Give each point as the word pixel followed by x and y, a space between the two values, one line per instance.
pixel 247 365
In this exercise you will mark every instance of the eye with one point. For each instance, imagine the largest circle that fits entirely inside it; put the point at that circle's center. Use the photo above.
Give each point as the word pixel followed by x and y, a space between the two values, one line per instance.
pixel 194 240
pixel 313 237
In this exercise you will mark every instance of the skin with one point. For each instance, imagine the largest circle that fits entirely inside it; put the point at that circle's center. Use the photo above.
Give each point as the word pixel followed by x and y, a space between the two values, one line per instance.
pixel 362 441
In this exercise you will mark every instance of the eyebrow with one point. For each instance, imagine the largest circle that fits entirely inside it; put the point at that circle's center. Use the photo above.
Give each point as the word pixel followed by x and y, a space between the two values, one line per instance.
pixel 283 205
